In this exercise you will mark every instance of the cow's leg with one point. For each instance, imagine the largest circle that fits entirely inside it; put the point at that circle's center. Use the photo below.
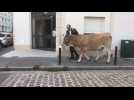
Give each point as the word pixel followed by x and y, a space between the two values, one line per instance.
pixel 100 52
pixel 109 56
pixel 85 54
pixel 98 56
pixel 81 55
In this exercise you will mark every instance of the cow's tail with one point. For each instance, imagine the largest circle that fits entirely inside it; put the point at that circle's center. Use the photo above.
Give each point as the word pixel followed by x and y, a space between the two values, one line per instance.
pixel 109 42
pixel 109 45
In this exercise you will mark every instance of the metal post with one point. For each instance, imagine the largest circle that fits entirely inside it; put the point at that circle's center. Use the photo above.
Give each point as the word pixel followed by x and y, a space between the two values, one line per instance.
pixel 115 55
pixel 59 56
pixel 6 68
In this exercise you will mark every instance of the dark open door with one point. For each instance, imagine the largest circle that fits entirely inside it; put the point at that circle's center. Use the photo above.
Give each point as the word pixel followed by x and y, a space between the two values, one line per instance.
pixel 43 31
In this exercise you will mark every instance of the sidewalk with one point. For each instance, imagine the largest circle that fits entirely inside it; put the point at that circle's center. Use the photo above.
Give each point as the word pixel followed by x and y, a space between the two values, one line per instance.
pixel 27 59
pixel 45 60
pixel 49 63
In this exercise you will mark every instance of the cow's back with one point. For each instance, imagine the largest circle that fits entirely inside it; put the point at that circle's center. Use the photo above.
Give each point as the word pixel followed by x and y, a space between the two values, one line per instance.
pixel 91 41
pixel 94 42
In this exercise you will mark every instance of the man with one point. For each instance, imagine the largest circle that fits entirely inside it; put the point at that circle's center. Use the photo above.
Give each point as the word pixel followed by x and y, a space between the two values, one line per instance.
pixel 72 31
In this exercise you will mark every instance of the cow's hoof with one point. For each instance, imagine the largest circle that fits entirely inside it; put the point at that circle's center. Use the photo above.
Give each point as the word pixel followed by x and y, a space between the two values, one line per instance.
pixel 75 61
pixel 78 61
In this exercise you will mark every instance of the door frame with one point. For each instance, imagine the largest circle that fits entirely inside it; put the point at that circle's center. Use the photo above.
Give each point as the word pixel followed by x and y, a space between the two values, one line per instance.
pixel 46 49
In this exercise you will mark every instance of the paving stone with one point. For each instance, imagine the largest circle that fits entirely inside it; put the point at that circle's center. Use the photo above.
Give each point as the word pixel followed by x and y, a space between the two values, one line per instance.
pixel 92 78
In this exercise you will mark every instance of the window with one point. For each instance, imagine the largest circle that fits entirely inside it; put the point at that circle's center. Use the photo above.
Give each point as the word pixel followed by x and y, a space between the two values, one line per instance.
pixel 6 22
pixel 94 24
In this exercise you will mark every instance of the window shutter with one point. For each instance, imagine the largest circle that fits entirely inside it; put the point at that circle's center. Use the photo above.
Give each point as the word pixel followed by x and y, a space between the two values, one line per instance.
pixel 94 24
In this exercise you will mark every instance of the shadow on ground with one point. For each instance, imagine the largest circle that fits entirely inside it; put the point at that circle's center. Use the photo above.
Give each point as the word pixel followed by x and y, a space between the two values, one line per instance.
pixel 6 50
pixel 100 62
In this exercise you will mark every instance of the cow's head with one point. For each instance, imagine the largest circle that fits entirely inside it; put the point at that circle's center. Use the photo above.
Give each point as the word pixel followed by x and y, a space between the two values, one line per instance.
pixel 66 41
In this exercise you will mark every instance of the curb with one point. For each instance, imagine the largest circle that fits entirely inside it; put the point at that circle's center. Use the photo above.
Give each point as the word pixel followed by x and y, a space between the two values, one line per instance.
pixel 67 68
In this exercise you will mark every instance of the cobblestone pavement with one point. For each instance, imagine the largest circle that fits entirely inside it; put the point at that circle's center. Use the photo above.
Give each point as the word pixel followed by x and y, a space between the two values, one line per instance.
pixel 92 78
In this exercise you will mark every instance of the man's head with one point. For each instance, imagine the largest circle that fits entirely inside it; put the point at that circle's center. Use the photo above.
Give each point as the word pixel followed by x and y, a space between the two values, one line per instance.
pixel 68 27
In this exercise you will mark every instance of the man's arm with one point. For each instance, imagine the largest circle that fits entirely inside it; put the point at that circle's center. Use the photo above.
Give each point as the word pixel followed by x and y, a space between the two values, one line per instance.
pixel 74 31
pixel 67 33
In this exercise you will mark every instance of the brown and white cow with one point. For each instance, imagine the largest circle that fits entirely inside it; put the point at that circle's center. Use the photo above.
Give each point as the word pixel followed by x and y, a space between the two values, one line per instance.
pixel 85 43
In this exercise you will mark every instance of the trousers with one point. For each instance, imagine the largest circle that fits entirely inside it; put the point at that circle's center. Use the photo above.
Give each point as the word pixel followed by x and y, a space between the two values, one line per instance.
pixel 73 52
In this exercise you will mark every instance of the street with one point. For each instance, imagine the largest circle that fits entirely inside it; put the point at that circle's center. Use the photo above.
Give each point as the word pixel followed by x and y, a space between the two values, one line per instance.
pixel 91 78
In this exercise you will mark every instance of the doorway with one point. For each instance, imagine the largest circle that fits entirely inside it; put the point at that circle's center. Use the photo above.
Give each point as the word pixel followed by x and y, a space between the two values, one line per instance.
pixel 44 30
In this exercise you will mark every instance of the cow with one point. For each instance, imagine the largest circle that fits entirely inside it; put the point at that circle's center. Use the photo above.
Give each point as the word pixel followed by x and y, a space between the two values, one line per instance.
pixel 98 42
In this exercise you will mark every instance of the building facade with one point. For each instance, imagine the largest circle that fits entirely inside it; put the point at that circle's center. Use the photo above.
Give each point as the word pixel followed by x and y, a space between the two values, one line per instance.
pixel 46 30
pixel 6 22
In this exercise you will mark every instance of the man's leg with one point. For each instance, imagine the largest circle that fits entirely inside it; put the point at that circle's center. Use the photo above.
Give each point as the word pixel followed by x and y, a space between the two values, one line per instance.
pixel 71 52
pixel 75 53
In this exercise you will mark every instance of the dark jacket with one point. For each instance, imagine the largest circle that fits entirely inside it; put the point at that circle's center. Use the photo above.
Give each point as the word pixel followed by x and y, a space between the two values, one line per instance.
pixel 73 32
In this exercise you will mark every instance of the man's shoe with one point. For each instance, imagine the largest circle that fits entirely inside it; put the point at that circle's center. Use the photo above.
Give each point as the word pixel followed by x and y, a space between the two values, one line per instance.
pixel 71 58
pixel 76 58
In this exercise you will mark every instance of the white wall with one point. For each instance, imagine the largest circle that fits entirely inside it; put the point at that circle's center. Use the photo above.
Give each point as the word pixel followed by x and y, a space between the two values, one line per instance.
pixel 22 28
pixel 76 19
pixel 119 24
pixel 122 26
